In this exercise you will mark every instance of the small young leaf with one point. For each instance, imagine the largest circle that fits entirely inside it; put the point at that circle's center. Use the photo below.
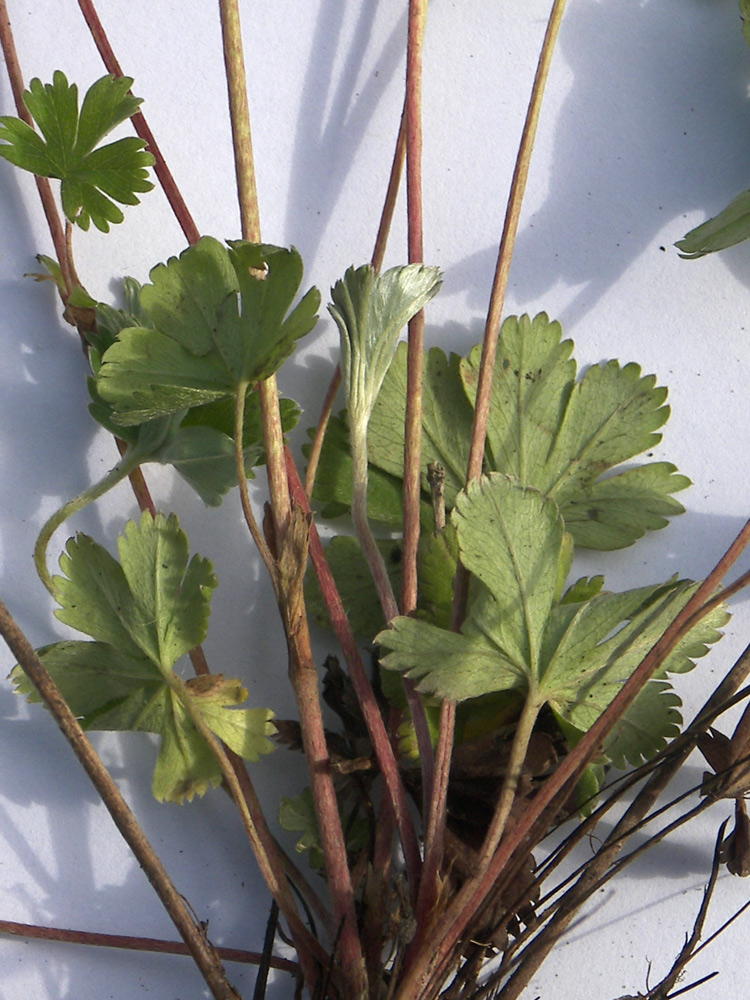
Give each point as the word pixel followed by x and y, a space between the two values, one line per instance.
pixel 91 178
pixel 371 311
pixel 217 326
pixel 298 815
pixel 727 229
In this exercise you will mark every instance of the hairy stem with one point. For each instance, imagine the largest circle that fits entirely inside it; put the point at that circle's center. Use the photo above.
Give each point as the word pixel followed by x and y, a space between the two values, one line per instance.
pixel 191 932
pixel 247 508
pixel 124 467
pixel 415 351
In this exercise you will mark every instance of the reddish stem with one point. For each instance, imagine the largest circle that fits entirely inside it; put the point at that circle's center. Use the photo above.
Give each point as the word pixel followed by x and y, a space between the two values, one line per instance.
pixel 49 205
pixel 162 171
pixel 130 943
pixel 362 687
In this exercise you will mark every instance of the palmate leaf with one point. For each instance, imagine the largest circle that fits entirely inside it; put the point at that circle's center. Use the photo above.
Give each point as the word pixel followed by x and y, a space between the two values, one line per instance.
pixel 560 435
pixel 547 429
pixel 144 613
pixel 222 320
pixel 198 442
pixel 93 179
pixel 520 635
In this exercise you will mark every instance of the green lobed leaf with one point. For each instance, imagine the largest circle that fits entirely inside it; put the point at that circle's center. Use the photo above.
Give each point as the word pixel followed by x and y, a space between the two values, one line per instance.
pixel 197 442
pixel 93 179
pixel 144 614
pixel 218 326
pixel 560 435
pixel 727 229
pixel 152 603
pixel 573 652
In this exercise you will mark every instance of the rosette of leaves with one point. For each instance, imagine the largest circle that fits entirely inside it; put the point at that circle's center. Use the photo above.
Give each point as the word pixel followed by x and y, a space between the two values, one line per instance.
pixel 143 614
pixel 524 634
pixel 93 177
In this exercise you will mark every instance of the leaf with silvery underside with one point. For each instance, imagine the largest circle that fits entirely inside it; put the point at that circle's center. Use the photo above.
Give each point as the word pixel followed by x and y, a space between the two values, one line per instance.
pixel 370 311
pixel 222 318
pixel 562 436
pixel 522 633
pixel 92 177
pixel 144 613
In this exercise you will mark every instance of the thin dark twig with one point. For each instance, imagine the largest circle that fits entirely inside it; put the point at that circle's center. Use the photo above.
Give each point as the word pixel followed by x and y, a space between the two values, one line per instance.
pixel 261 980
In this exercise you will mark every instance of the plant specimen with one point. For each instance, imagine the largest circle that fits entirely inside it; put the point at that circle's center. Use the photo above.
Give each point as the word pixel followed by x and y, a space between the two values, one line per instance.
pixel 502 693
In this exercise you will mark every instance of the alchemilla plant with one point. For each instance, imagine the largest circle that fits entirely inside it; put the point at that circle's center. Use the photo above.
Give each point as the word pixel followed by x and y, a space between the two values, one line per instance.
pixel 483 694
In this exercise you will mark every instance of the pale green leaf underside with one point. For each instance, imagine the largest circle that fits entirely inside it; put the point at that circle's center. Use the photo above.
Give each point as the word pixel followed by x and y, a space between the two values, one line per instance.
pixel 511 539
pixel 562 436
pixel 370 311
pixel 573 656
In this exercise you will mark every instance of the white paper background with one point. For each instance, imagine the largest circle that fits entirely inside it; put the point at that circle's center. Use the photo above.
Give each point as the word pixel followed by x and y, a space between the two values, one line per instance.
pixel 644 134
